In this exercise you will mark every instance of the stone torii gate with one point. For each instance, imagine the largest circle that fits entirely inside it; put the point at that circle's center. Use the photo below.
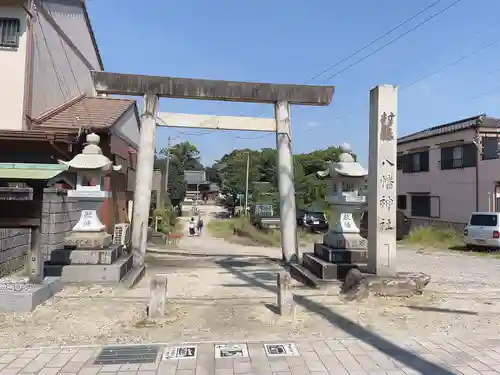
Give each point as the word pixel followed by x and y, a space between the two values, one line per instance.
pixel 152 88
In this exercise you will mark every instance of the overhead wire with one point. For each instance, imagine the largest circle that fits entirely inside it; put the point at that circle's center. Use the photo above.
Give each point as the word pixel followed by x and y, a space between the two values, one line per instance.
pixel 420 24
pixel 428 75
pixel 373 41
pixel 373 52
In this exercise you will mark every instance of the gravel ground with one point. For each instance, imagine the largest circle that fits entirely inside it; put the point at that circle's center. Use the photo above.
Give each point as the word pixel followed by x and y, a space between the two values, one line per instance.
pixel 223 291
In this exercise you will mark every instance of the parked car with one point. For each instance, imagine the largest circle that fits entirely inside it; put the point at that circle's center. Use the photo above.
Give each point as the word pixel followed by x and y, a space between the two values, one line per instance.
pixel 264 217
pixel 402 225
pixel 315 221
pixel 483 230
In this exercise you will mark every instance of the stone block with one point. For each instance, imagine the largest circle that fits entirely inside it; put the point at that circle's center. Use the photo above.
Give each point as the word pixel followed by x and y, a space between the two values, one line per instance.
pixel 95 273
pixel 331 255
pixel 345 241
pixel 25 297
pixel 284 297
pixel 88 240
pixel 404 284
pixel 104 256
pixel 157 297
pixel 66 256
pixel 325 270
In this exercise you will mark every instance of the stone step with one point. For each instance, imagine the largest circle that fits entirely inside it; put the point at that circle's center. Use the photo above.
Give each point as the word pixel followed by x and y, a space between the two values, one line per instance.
pixel 91 273
pixel 84 256
pixel 304 276
pixel 331 255
pixel 133 276
pixel 325 270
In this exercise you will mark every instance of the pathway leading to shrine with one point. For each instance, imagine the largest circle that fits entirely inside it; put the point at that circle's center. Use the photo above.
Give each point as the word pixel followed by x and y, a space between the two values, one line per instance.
pixel 220 291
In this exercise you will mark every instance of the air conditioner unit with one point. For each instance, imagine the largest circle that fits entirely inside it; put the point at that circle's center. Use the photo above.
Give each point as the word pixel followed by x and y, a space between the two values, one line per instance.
pixel 121 235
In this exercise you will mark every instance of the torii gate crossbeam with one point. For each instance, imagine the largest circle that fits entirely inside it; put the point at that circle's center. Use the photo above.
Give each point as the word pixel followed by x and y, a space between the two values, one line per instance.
pixel 152 88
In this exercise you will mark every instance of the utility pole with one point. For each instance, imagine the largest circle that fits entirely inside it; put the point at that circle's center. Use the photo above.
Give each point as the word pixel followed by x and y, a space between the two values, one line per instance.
pixel 163 193
pixel 167 167
pixel 246 183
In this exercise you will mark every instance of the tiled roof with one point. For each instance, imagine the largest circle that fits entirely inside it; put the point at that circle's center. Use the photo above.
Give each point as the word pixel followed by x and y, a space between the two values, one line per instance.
pixel 467 123
pixel 85 112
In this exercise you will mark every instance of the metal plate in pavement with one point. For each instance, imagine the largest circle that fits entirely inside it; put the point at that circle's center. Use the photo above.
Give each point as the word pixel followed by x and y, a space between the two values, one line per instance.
pixel 121 355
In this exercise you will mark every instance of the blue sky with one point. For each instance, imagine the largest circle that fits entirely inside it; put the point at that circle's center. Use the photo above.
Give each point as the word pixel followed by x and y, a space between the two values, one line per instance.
pixel 289 42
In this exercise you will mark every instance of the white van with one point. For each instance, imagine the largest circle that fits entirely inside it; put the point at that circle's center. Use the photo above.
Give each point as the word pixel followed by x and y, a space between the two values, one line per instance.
pixel 483 230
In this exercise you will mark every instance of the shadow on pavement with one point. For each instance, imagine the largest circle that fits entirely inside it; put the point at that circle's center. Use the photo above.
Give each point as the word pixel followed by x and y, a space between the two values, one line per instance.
pixel 441 310
pixel 401 355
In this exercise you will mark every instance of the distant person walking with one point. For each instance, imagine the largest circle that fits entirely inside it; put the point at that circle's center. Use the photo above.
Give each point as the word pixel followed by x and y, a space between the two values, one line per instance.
pixel 191 227
pixel 199 225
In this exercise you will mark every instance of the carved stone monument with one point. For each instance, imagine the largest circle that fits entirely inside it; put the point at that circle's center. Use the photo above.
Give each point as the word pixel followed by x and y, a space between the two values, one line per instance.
pixel 365 267
pixel 382 181
pixel 89 244
pixel 343 248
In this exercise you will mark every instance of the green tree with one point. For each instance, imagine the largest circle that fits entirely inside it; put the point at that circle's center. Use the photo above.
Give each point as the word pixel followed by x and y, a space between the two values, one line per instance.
pixel 183 156
pixel 263 168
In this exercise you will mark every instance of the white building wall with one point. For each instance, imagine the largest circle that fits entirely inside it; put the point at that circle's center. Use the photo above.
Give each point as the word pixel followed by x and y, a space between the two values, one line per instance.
pixel 13 73
pixel 456 188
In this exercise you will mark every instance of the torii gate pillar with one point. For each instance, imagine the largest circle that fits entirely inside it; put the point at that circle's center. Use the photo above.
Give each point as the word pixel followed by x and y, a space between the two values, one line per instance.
pixel 281 96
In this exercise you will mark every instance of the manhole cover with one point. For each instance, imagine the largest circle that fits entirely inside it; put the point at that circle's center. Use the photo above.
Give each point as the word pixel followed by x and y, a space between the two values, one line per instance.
pixel 231 350
pixel 280 350
pixel 121 355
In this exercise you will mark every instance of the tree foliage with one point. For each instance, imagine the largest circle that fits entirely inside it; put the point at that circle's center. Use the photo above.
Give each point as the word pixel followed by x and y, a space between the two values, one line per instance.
pixel 231 172
pixel 183 156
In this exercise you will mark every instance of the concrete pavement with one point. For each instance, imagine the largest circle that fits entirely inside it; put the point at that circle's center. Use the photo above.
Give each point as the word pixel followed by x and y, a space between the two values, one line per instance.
pixel 351 356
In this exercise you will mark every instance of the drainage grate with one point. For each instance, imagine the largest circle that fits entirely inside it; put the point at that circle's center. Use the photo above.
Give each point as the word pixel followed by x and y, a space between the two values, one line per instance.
pixel 121 355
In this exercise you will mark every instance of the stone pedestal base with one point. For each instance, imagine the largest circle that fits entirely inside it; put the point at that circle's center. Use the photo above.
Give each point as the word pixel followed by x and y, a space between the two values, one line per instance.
pixel 22 297
pixel 88 240
pixel 91 273
pixel 332 255
pixel 86 256
pixel 337 240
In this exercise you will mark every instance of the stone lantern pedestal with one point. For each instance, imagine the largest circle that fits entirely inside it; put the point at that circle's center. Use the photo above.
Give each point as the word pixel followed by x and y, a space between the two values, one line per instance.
pixel 342 248
pixel 89 254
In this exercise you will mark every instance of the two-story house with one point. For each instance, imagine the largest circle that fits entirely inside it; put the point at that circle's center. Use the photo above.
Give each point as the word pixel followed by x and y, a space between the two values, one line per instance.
pixel 47 97
pixel 448 171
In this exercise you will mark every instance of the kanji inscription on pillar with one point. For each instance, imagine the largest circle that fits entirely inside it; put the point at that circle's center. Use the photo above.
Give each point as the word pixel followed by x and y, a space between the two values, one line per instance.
pixel 382 184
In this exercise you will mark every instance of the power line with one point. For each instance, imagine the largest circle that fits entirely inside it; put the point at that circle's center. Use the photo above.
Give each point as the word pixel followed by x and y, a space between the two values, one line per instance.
pixel 394 40
pixel 439 70
pixel 454 62
pixel 369 45
pixel 373 41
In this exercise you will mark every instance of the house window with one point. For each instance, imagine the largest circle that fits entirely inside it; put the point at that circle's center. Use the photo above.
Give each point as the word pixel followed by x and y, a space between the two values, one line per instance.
pixel 490 148
pixel 424 205
pixel 9 32
pixel 402 202
pixel 400 162
pixel 459 156
pixel 416 162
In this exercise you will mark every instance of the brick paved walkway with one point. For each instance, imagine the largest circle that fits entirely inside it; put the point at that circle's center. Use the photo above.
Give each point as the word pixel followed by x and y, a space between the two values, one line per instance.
pixel 380 356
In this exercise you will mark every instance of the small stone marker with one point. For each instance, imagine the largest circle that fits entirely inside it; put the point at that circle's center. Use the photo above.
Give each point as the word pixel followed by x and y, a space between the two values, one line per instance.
pixel 285 297
pixel 231 350
pixel 180 352
pixel 157 297
pixel 281 350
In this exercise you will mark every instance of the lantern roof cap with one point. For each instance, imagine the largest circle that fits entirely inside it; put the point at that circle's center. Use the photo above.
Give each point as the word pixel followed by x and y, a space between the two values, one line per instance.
pixel 346 166
pixel 91 158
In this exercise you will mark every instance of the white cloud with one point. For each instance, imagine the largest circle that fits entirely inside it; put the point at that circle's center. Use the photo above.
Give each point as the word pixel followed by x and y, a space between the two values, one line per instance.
pixel 312 124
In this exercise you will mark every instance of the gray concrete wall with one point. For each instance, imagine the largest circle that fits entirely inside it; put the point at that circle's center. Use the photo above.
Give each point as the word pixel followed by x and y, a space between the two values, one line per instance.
pixel 60 214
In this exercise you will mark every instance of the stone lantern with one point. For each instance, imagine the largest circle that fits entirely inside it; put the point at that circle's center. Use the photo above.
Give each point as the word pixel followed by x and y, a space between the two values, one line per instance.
pixel 342 248
pixel 347 179
pixel 91 166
